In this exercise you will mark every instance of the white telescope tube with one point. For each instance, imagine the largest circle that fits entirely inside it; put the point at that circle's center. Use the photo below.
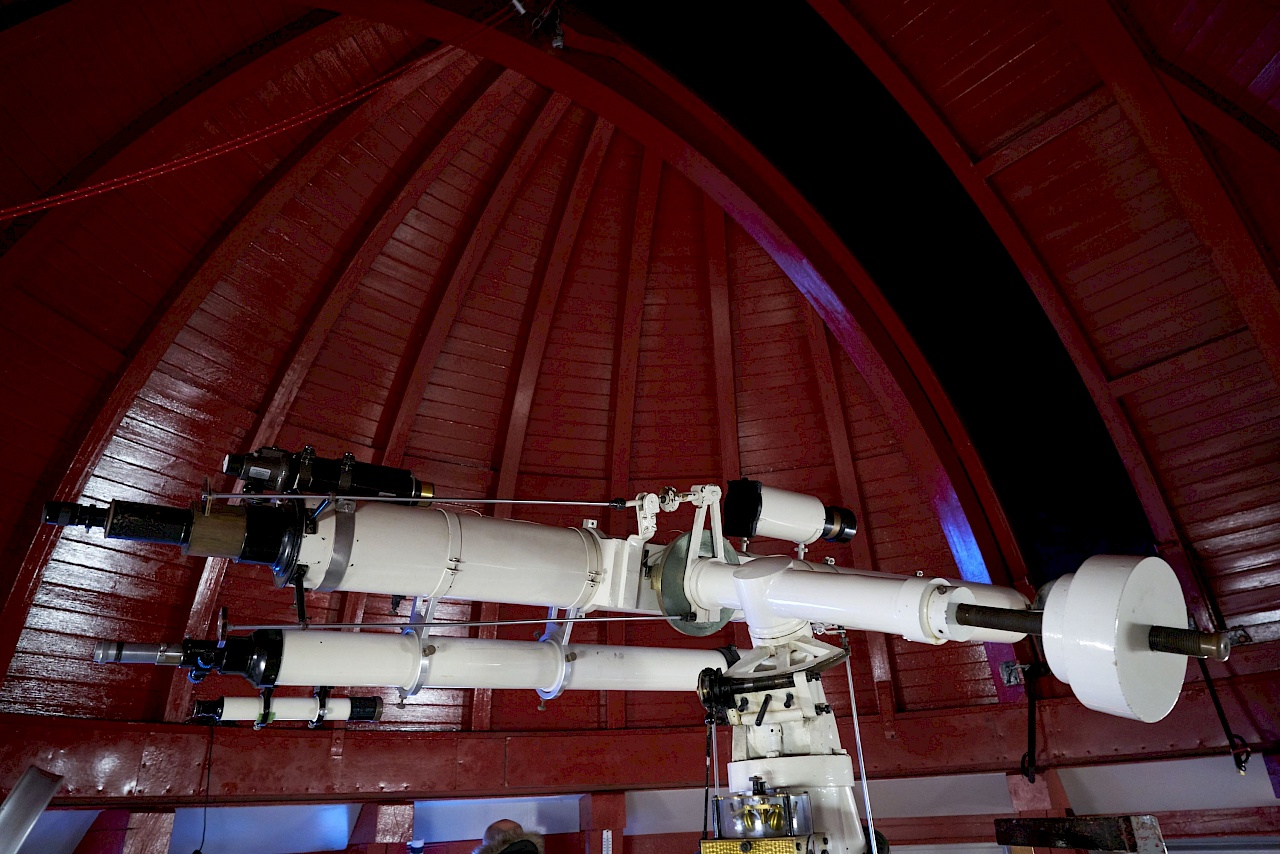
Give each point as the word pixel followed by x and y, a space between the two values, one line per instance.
pixel 413 551
pixel 285 708
pixel 370 659
pixel 790 516
pixel 868 601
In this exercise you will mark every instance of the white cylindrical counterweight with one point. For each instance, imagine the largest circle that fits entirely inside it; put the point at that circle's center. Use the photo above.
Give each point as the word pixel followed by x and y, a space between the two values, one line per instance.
pixel 375 659
pixel 1097 625
pixel 411 551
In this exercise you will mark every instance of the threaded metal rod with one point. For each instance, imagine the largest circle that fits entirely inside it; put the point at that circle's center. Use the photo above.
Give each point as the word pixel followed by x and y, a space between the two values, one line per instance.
pixel 1001 619
pixel 1215 645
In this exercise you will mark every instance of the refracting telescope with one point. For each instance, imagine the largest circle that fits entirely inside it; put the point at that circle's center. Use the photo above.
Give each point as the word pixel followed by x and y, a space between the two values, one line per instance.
pixel 1113 630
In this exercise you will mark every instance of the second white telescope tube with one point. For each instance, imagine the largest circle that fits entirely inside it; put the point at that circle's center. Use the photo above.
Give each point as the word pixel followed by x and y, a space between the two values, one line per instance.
pixel 371 659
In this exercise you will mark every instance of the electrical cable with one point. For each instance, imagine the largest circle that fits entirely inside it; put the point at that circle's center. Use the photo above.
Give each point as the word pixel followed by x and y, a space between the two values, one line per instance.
pixel 1236 744
pixel 438 623
pixel 706 789
pixel 208 793
pixel 616 503
pixel 857 739
pixel 234 144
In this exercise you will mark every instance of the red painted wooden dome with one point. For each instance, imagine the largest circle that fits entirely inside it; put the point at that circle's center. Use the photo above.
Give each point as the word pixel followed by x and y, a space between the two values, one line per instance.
pixel 441 244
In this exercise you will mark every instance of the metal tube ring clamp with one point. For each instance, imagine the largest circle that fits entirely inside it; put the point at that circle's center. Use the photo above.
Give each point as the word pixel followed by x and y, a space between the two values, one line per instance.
pixel 563 671
pixel 424 664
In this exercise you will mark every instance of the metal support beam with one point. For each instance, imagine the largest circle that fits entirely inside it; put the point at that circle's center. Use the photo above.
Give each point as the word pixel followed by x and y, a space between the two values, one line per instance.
pixel 379 822
pixel 1137 833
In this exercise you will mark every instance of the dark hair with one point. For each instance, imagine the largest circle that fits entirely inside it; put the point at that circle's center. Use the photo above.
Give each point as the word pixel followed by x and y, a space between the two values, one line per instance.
pixel 521 846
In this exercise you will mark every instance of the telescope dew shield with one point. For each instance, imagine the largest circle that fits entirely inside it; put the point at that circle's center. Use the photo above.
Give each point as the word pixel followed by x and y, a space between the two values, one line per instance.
pixel 752 509
pixel 125 520
pixel 268 534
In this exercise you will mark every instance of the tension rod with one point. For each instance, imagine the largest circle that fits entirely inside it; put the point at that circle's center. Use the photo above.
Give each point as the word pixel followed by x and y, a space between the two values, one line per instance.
pixel 616 503
pixel 1215 645
pixel 422 625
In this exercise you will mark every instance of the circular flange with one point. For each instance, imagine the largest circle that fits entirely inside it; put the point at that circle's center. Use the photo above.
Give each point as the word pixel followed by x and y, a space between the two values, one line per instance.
pixel 1096 624
pixel 668 582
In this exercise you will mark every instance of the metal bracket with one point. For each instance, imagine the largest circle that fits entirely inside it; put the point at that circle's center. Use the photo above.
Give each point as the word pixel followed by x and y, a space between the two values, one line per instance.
pixel 423 633
pixel 647 505
pixel 344 538
pixel 558 634
pixel 1011 673
pixel 705 497
pixel 265 717
pixel 322 694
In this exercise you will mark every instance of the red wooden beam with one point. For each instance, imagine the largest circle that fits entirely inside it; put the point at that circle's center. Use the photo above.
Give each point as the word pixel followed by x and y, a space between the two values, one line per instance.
pixel 154 764
pixel 306 348
pixel 398 417
pixel 169 320
pixel 841 447
pixel 313 334
pixel 1045 287
pixel 626 361
pixel 851 495
pixel 1221 125
pixel 530 359
pixel 613 81
pixel 627 356
pixel 1184 166
pixel 379 822
pixel 726 393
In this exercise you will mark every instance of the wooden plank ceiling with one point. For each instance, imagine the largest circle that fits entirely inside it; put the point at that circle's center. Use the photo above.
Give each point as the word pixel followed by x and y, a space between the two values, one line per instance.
pixel 1127 158
pixel 481 276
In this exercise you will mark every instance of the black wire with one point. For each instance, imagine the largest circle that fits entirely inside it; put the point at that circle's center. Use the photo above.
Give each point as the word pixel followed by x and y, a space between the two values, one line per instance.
pixel 208 793
pixel 706 789
pixel 1239 748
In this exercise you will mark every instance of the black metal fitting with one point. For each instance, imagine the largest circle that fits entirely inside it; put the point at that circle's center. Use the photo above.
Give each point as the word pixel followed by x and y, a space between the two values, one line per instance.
pixel 126 520
pixel 275 470
pixel 256 657
pixel 69 514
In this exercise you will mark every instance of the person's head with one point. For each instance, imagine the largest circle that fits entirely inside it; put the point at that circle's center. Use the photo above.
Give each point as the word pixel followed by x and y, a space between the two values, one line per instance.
pixel 508 837
pixel 501 827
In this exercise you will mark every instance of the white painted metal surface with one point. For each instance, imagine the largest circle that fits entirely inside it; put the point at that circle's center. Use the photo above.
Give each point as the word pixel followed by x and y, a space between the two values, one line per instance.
pixel 829 782
pixel 432 552
pixel 790 516
pixel 787 589
pixel 372 659
pixel 1095 635
pixel 366 659
pixel 285 708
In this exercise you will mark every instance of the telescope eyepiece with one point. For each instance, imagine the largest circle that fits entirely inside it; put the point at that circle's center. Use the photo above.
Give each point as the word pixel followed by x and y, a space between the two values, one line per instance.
pixel 68 513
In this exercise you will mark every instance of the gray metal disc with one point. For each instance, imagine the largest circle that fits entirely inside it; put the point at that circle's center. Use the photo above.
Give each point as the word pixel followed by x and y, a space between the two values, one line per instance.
pixel 669 584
